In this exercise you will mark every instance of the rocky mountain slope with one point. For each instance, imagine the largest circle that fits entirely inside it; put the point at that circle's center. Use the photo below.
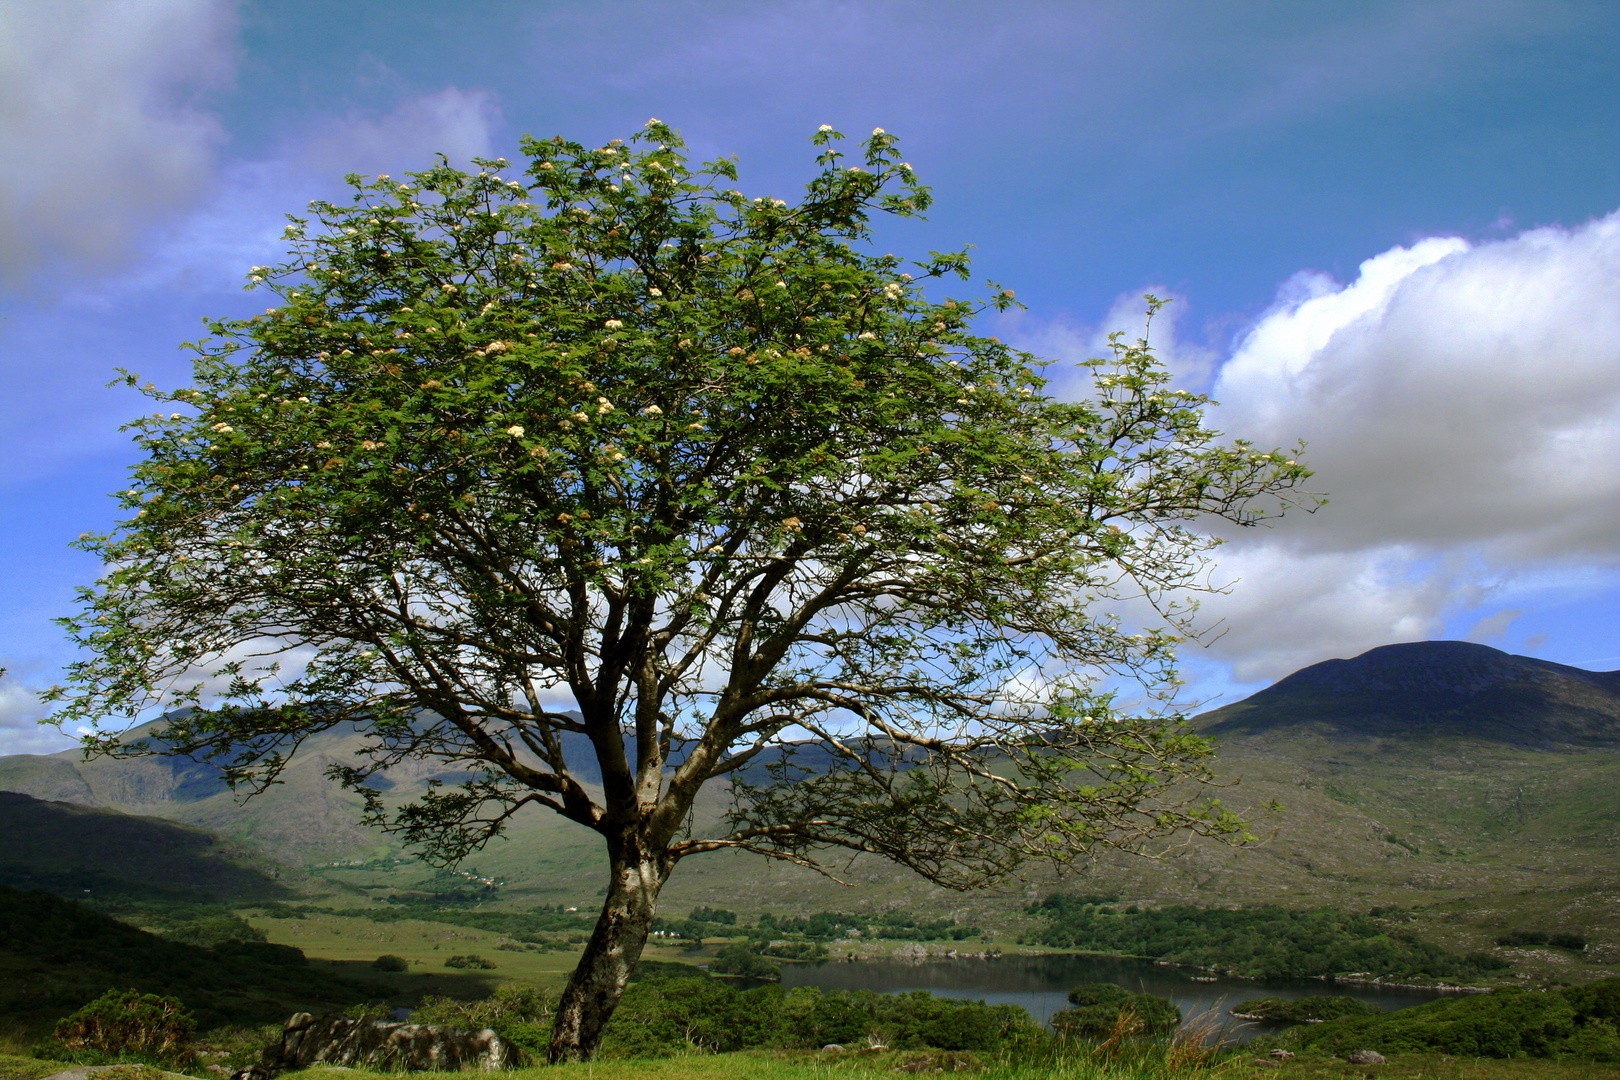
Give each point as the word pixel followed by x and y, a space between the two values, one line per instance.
pixel 1481 787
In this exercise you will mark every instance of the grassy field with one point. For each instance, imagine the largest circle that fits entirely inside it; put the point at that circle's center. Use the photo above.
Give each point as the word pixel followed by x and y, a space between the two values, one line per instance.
pixel 767 1065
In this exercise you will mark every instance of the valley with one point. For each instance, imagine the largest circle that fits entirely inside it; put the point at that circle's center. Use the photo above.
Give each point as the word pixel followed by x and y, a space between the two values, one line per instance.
pixel 1477 793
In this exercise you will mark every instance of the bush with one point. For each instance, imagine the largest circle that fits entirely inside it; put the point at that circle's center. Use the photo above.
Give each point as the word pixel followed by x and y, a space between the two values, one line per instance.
pixel 265 952
pixel 658 1017
pixel 794 950
pixel 471 960
pixel 390 962
pixel 1568 941
pixel 1099 1007
pixel 1522 939
pixel 1315 1008
pixel 213 930
pixel 126 1023
pixel 519 1013
pixel 1257 942
pixel 666 969
pixel 719 916
pixel 741 960
pixel 1577 1021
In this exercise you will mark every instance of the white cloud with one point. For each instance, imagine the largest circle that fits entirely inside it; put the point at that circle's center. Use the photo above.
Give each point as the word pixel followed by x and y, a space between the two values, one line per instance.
pixel 102 129
pixel 20 713
pixel 457 123
pixel 1462 406
pixel 1191 364
pixel 1452 395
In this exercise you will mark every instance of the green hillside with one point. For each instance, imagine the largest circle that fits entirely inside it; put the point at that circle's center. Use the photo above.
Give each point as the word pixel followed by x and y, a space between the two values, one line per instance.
pixel 1480 789
pixel 77 850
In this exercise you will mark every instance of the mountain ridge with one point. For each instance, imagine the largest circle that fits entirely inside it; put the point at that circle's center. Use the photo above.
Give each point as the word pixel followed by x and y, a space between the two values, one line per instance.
pixel 1435 688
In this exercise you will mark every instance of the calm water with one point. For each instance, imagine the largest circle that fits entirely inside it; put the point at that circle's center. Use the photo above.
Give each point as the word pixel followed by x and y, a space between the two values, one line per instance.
pixel 1040 983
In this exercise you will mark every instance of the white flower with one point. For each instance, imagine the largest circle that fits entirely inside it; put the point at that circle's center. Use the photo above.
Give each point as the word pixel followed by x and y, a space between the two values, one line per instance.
pixel 855 169
pixel 323 445
pixel 865 336
pixel 614 324
pixel 613 187
pixel 516 431
pixel 781 284
pixel 603 406
pixel 878 131
pixel 582 417
pixel 655 291
pixel 224 429
pixel 894 290
pixel 695 427
pixel 652 120
pixel 778 202
pixel 825 127
pixel 653 410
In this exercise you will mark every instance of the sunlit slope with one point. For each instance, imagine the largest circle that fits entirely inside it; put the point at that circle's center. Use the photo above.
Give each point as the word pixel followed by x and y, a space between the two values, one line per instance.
pixel 1428 774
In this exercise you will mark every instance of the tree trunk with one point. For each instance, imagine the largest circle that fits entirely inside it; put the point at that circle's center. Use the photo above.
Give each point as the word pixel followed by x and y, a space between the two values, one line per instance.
pixel 594 988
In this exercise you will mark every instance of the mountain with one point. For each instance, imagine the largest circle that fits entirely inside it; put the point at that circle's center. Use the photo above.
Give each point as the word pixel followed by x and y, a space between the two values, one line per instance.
pixel 1480 787
pixel 75 850
pixel 1436 690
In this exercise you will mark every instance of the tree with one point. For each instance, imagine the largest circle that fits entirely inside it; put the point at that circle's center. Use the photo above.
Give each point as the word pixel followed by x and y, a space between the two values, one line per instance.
pixel 612 461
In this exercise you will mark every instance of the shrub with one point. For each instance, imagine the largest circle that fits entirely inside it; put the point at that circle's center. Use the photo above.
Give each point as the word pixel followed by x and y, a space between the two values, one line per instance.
pixel 1317 1007
pixel 795 950
pixel 390 962
pixel 1568 941
pixel 718 916
pixel 1522 939
pixel 1098 1008
pixel 471 960
pixel 519 1013
pixel 666 969
pixel 212 930
pixel 265 952
pixel 658 1017
pixel 125 1023
pixel 1578 1021
pixel 741 960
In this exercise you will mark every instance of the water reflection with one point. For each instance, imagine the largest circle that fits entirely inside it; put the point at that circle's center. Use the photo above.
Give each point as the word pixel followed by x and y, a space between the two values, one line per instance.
pixel 1040 983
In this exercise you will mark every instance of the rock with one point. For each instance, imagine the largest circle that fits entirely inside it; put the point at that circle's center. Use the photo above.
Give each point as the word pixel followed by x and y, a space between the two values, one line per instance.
pixel 1366 1057
pixel 832 1048
pixel 85 1072
pixel 339 1042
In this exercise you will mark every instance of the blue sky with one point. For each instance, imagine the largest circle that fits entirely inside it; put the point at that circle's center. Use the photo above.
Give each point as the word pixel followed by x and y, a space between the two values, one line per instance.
pixel 1386 226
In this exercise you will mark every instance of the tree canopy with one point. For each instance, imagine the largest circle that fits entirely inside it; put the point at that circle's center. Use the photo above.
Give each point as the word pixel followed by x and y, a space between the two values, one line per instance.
pixel 602 461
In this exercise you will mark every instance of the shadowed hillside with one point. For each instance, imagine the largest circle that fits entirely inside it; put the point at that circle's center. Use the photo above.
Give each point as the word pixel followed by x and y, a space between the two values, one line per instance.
pixel 1435 689
pixel 73 850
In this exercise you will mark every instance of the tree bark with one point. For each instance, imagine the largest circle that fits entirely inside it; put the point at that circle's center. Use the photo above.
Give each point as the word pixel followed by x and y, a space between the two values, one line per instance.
pixel 593 990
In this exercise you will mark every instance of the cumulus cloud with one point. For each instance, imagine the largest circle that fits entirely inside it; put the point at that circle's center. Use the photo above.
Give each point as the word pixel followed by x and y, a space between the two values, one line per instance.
pixel 103 127
pixel 1191 363
pixel 20 713
pixel 1462 406
pixel 1452 394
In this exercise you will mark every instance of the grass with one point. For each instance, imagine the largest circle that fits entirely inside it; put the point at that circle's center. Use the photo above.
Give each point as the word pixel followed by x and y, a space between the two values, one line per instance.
pixel 800 1065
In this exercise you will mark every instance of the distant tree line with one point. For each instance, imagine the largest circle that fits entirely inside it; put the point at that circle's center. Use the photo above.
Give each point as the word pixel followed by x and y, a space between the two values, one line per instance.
pixel 1253 942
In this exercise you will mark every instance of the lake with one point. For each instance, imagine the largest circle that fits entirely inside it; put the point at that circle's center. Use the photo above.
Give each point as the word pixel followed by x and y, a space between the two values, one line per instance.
pixel 1040 984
